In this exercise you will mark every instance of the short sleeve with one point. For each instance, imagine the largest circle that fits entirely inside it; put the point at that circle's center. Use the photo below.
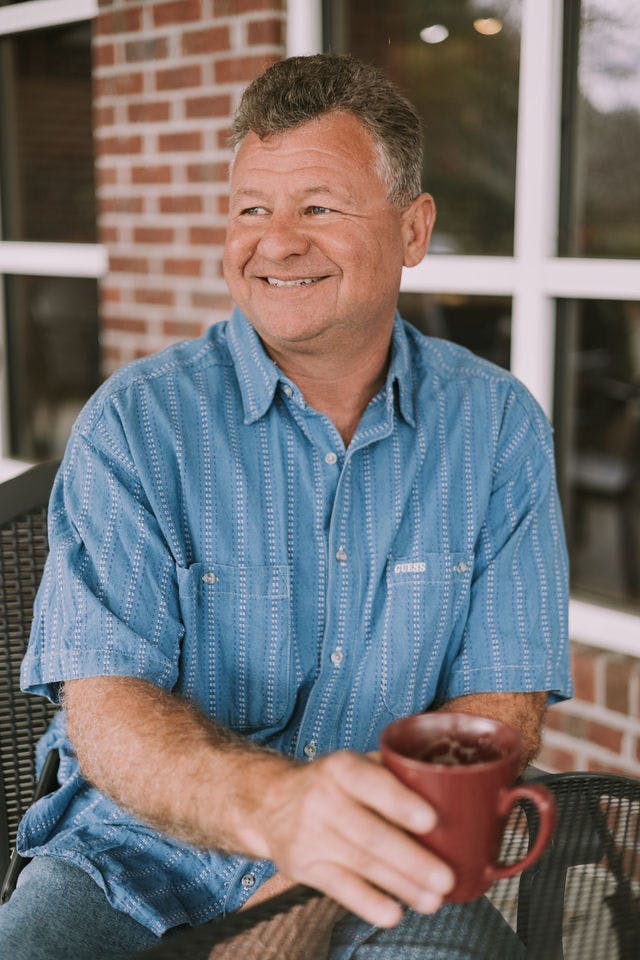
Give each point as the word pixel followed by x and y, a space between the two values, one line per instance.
pixel 516 633
pixel 108 601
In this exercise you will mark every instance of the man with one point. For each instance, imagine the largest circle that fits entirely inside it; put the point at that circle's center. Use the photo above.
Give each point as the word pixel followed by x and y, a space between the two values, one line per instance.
pixel 268 543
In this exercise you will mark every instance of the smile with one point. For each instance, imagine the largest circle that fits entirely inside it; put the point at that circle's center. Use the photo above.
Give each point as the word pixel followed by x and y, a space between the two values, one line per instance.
pixel 275 282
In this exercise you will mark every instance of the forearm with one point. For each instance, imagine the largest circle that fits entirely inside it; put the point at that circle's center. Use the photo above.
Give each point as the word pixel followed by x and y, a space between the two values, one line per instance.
pixel 159 758
pixel 524 711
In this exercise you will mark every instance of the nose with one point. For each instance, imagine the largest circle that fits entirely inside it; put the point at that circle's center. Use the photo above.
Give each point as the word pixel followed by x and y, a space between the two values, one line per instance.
pixel 282 237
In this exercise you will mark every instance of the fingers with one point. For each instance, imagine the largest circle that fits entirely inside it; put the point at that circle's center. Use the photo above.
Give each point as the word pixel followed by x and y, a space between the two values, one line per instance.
pixel 372 785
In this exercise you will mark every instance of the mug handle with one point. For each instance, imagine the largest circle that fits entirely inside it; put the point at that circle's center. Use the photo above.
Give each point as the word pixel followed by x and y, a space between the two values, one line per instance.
pixel 545 803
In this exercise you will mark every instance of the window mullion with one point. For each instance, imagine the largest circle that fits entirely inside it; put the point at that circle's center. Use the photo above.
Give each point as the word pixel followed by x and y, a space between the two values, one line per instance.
pixel 537 187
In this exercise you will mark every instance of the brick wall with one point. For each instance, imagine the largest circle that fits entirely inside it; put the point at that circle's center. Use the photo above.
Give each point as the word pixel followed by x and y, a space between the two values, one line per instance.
pixel 599 729
pixel 167 76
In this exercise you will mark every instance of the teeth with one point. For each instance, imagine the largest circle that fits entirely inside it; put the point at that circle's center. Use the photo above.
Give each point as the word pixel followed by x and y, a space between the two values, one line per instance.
pixel 274 282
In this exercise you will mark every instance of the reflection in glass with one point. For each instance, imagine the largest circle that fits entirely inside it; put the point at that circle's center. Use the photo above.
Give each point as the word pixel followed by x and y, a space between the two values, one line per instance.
pixel 598 443
pixel 46 146
pixel 465 86
pixel 482 324
pixel 600 192
pixel 53 361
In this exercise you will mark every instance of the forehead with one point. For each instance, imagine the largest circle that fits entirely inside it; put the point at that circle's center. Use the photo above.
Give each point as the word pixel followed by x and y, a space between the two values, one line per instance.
pixel 337 145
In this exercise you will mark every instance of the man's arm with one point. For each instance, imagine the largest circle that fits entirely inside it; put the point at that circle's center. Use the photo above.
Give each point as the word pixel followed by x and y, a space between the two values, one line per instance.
pixel 524 711
pixel 339 824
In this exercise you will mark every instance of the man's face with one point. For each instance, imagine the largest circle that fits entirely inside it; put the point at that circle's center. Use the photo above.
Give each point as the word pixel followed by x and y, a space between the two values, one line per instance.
pixel 314 249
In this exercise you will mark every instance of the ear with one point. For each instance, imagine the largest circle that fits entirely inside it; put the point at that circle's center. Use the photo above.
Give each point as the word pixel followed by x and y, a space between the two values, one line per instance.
pixel 416 224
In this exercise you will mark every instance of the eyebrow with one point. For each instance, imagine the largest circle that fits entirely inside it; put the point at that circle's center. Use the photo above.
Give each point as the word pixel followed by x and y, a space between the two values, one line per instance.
pixel 317 189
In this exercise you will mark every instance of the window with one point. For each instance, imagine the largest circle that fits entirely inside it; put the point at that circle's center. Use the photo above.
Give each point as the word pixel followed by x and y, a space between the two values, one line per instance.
pixel 49 259
pixel 570 269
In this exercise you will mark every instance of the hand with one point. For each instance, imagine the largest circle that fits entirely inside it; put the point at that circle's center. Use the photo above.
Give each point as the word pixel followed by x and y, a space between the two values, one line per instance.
pixel 341 825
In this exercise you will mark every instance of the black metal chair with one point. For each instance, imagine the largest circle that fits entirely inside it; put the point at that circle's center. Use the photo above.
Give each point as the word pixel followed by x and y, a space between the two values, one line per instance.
pixel 23 717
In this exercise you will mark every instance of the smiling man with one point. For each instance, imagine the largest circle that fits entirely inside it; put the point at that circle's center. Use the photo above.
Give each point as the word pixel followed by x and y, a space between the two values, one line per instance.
pixel 268 543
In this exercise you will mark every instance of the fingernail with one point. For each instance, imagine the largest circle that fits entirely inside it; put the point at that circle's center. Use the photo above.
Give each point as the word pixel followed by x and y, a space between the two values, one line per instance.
pixel 429 903
pixel 442 880
pixel 423 820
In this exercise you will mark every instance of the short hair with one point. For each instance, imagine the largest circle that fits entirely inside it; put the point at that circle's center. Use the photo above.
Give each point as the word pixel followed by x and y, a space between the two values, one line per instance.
pixel 293 91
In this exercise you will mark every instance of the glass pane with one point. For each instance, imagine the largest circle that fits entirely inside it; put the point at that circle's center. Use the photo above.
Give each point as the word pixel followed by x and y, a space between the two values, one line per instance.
pixel 458 62
pixel 46 146
pixel 483 324
pixel 601 136
pixel 598 443
pixel 52 343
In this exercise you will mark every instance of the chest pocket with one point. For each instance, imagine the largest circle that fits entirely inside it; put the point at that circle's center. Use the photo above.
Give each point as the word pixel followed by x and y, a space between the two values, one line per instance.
pixel 237 647
pixel 423 600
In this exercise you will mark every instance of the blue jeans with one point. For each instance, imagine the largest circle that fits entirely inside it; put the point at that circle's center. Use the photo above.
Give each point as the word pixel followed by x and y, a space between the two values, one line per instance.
pixel 58 912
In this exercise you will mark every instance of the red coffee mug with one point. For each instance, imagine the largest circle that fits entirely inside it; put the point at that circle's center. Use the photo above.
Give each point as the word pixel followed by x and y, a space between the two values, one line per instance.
pixel 465 766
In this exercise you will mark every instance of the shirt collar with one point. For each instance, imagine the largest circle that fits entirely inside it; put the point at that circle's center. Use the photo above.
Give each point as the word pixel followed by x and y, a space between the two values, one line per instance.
pixel 259 376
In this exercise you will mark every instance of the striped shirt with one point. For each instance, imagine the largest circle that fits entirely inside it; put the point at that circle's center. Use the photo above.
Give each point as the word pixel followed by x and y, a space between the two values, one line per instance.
pixel 210 533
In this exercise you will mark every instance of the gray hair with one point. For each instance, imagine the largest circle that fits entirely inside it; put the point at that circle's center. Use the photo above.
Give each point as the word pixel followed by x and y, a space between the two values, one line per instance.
pixel 299 89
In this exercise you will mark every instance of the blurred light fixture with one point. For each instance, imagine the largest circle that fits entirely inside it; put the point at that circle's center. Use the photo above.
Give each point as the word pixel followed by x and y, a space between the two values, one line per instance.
pixel 436 33
pixel 487 26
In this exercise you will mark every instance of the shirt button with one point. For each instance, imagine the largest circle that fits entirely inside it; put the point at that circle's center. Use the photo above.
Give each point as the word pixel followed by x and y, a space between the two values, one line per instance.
pixel 248 881
pixel 337 657
pixel 287 389
pixel 330 457
pixel 310 750
pixel 209 577
pixel 341 555
pixel 461 567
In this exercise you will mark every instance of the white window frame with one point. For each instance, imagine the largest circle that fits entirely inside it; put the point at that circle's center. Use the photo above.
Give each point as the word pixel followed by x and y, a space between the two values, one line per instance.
pixel 534 277
pixel 31 258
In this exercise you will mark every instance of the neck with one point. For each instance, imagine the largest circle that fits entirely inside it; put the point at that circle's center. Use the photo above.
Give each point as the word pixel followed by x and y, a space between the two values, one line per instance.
pixel 341 387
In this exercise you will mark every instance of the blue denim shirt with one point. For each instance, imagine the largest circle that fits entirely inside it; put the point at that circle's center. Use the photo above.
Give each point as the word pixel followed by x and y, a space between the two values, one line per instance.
pixel 210 533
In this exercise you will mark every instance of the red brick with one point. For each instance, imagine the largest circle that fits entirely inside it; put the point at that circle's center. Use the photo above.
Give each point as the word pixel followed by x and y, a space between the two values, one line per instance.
pixel 151 174
pixel 557 759
pixel 242 69
pixel 617 685
pixel 150 295
pixel 119 21
pixel 215 172
pixel 180 204
pixel 583 667
pixel 178 77
pixel 121 204
pixel 149 49
pixel 222 139
pixel 597 766
pixel 211 301
pixel 148 112
pixel 211 40
pixel 110 294
pixel 153 235
pixel 130 324
pixel 212 236
pixel 222 203
pixel 104 116
pixel 122 84
pixel 178 11
pixel 180 328
pixel 104 54
pixel 224 7
pixel 108 234
pixel 108 146
pixel 266 31
pixel 128 265
pixel 208 106
pixel 604 735
pixel 106 176
pixel 190 140
pixel 182 266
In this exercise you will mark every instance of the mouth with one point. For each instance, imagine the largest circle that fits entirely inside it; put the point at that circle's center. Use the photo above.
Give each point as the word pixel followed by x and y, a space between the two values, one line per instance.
pixel 298 282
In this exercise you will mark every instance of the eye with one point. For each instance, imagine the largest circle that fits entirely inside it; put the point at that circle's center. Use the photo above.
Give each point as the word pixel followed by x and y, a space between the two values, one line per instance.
pixel 316 210
pixel 253 211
